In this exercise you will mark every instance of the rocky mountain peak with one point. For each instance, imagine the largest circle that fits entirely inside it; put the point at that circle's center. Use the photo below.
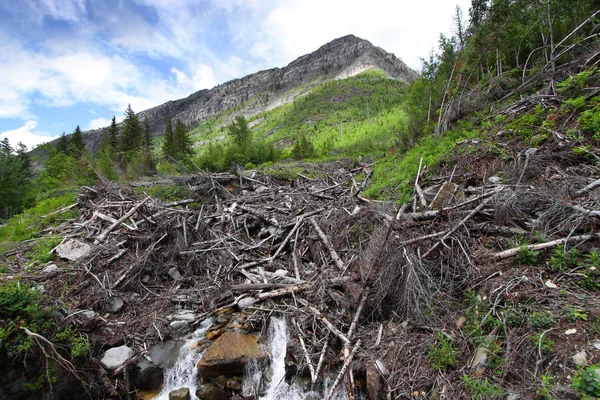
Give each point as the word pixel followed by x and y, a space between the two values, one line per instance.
pixel 340 58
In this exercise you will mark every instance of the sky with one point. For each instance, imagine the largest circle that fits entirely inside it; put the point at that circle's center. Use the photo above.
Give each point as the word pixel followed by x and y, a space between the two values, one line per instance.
pixel 65 63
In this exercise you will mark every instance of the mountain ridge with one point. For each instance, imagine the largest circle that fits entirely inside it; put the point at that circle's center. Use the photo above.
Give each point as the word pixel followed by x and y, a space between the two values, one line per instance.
pixel 341 58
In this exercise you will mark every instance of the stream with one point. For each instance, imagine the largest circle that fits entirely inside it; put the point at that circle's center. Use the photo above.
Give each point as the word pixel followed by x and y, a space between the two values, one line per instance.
pixel 185 374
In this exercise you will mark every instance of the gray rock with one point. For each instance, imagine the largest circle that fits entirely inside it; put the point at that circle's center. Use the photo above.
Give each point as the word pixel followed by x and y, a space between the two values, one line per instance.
pixel 494 179
pixel 114 304
pixel 89 314
pixel 183 315
pixel 164 355
pixel 179 327
pixel 246 302
pixel 260 189
pixel 147 375
pixel 116 357
pixel 180 394
pixel 580 358
pixel 73 250
pixel 50 268
pixel 174 274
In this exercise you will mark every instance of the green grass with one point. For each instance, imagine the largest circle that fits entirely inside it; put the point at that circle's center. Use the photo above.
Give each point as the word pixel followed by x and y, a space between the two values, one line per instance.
pixel 394 172
pixel 30 223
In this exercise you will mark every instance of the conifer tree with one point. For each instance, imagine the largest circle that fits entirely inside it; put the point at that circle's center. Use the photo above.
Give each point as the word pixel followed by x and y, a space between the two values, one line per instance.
pixel 131 134
pixel 113 134
pixel 147 135
pixel 168 141
pixel 62 145
pixel 76 145
pixel 182 144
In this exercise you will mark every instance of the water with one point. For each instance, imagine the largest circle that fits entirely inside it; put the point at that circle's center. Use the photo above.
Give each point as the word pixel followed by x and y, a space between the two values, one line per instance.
pixel 184 372
pixel 277 388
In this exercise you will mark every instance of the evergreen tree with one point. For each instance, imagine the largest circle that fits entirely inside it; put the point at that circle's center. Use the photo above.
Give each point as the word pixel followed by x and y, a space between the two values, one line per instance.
pixel 168 145
pixel 240 133
pixel 14 178
pixel 76 145
pixel 182 143
pixel 62 145
pixel 131 134
pixel 113 134
pixel 147 135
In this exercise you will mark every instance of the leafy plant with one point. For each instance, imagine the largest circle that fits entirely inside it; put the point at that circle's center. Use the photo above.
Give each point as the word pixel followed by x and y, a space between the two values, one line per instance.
pixel 482 388
pixel 587 381
pixel 443 354
pixel 575 314
pixel 526 256
pixel 514 316
pixel 544 343
pixel 541 320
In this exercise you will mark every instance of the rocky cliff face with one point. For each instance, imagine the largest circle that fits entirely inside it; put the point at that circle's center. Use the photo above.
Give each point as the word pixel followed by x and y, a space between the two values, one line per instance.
pixel 341 58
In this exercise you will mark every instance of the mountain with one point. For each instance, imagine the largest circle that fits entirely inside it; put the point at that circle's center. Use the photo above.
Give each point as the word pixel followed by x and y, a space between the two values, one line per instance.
pixel 263 90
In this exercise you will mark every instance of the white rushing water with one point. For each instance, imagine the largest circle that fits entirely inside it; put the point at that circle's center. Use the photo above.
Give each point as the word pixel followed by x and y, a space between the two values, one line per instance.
pixel 184 372
pixel 277 388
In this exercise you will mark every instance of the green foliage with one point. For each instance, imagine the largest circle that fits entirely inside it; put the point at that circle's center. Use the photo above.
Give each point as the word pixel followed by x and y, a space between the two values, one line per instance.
pixel 14 178
pixel 40 252
pixel 541 320
pixel 514 316
pixel 562 261
pixel 526 256
pixel 131 136
pixel 587 381
pixel 166 193
pixel 78 342
pixel 482 388
pixel 546 387
pixel 443 354
pixel 574 314
pixel 544 343
pixel 303 148
pixel 30 223
pixel 76 146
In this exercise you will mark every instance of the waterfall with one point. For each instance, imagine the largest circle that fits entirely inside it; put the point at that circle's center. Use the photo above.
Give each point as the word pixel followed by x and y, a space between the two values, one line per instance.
pixel 277 388
pixel 184 372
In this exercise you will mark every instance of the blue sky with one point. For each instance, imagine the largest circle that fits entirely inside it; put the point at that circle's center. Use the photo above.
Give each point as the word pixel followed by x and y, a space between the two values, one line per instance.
pixel 65 63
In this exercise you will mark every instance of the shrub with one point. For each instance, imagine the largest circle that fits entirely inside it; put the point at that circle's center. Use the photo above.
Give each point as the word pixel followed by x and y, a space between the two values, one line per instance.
pixel 587 381
pixel 526 256
pixel 482 388
pixel 541 320
pixel 443 354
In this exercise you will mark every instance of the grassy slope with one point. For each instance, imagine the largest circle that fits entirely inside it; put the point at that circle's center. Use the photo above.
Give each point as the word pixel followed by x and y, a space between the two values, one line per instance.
pixel 349 117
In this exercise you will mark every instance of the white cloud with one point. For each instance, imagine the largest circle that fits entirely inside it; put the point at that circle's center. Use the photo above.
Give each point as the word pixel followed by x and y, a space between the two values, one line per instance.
pixel 27 135
pixel 98 123
pixel 408 29
pixel 67 10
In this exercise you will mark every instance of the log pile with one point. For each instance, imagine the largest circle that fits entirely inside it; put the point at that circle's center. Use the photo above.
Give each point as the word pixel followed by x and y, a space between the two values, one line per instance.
pixel 348 271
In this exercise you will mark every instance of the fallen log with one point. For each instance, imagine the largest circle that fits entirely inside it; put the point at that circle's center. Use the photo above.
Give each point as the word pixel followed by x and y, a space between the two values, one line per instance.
pixel 540 246
pixel 118 222
pixel 343 371
pixel 334 255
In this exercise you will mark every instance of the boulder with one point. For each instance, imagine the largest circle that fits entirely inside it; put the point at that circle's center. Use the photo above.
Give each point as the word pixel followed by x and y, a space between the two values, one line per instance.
pixel 114 304
pixel 147 375
pixel 229 353
pixel 73 250
pixel 115 358
pixel 180 394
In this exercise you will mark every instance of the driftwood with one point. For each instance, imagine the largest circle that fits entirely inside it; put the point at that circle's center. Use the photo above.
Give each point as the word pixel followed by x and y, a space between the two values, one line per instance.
pixel 124 218
pixel 587 188
pixel 336 258
pixel 343 370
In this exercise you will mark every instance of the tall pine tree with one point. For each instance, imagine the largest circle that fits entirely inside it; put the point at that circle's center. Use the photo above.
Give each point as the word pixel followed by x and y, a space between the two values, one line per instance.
pixel 168 145
pixel 131 134
pixel 76 145
pixel 113 134
pixel 182 143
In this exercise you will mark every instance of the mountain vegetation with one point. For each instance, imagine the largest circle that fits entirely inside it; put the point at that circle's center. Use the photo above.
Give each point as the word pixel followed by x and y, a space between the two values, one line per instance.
pixel 454 214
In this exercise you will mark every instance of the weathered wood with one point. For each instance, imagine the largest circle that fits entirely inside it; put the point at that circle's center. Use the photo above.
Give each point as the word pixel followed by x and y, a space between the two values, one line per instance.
pixel 336 259
pixel 118 222
pixel 325 321
pixel 540 246
pixel 321 360
pixel 311 368
pixel 338 379
pixel 259 286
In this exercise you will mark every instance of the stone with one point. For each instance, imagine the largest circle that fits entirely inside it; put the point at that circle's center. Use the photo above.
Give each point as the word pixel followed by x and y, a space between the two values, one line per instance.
pixel 211 392
pixel 180 394
pixel 462 320
pixel 73 250
pixel 571 331
pixel 261 189
pixel 246 302
pixel 179 327
pixel 597 344
pixel 115 358
pixel 229 353
pixel 184 315
pixel 89 314
pixel 580 358
pixel 165 355
pixel 281 272
pixel 551 285
pixel 174 274
pixel 494 179
pixel 234 384
pixel 147 375
pixel 50 268
pixel 114 304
